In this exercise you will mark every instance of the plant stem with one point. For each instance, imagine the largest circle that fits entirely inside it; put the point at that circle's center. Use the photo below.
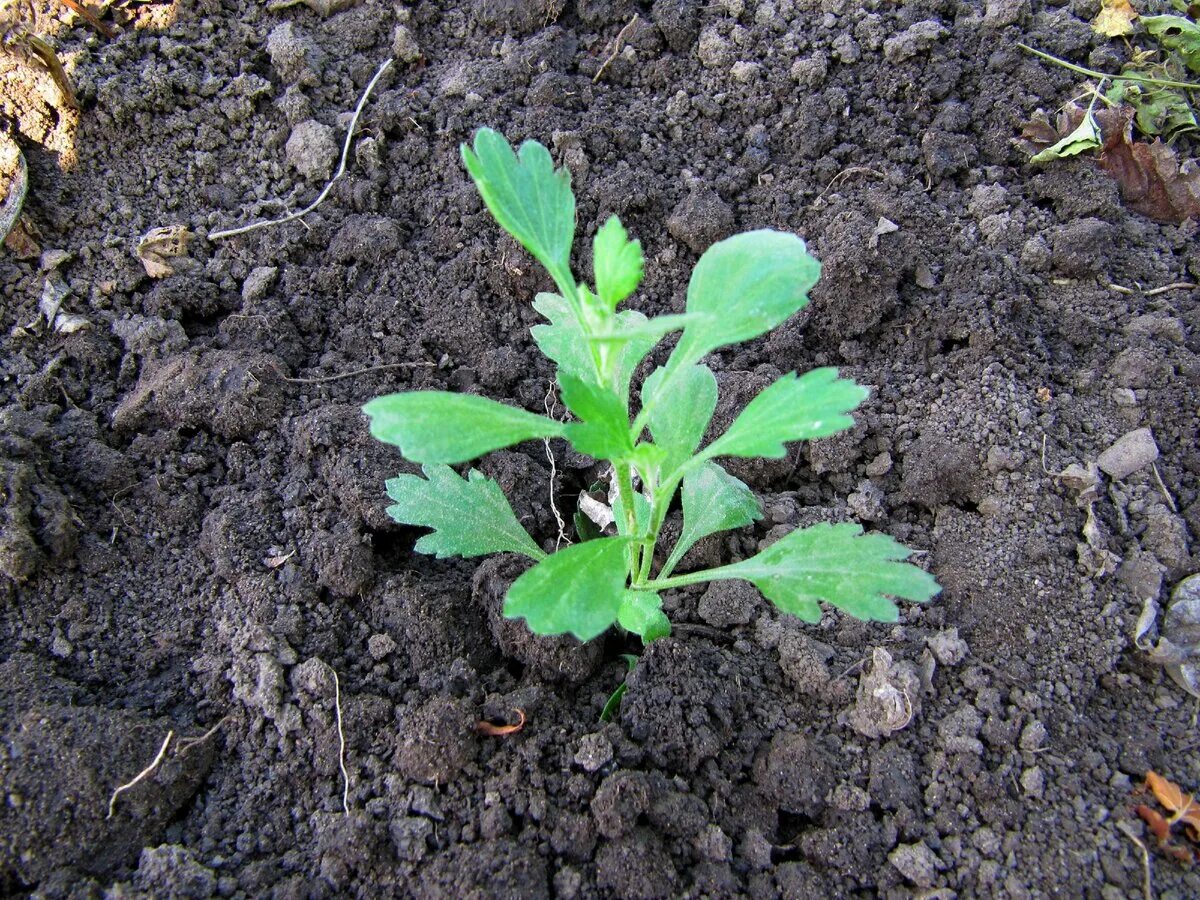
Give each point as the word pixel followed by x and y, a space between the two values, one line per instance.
pixel 1092 73
pixel 625 493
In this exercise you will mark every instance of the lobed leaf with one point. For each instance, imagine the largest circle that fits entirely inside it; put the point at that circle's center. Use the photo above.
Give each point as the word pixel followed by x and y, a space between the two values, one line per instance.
pixel 641 613
pixel 577 590
pixel 743 287
pixel 1179 34
pixel 679 425
pixel 603 430
pixel 470 517
pixel 792 409
pixel 528 198
pixel 441 427
pixel 839 565
pixel 617 262
pixel 713 500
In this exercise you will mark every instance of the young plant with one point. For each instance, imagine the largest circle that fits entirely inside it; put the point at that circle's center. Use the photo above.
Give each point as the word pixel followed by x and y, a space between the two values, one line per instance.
pixel 741 288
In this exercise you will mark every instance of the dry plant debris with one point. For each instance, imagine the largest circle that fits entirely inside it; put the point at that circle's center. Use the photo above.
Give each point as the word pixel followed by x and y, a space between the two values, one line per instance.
pixel 1115 18
pixel 1181 808
pixel 159 246
pixel 492 730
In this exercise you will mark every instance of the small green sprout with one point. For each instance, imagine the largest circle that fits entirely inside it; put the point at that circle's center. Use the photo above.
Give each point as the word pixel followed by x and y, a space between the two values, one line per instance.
pixel 741 288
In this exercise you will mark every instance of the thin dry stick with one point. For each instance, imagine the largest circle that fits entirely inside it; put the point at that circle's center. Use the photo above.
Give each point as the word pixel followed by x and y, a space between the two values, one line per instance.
pixel 337 706
pixel 325 378
pixel 90 17
pixel 141 776
pixel 846 173
pixel 1175 286
pixel 186 745
pixel 618 45
pixel 562 526
pixel 1147 884
pixel 1162 487
pixel 362 101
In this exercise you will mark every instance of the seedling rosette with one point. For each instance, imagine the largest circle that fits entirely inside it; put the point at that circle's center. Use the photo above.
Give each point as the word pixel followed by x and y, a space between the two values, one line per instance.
pixel 741 288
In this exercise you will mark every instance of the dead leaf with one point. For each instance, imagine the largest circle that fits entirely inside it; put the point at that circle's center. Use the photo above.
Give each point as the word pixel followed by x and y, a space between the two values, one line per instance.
pixel 491 730
pixel 1152 180
pixel 159 245
pixel 274 562
pixel 1115 18
pixel 14 181
pixel 21 242
pixel 1181 806
pixel 1159 827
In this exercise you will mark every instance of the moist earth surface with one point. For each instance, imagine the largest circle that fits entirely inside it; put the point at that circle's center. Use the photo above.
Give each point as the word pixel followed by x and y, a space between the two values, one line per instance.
pixel 194 538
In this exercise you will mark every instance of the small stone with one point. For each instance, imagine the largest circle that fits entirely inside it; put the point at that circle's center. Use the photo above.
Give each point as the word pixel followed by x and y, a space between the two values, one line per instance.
pixel 595 752
pixel 1033 782
pixel 1033 737
pixel 404 45
pixel 810 71
pixel 258 283
pixel 917 863
pixel 712 49
pixel 744 72
pixel 1125 397
pixel 294 55
pixel 312 150
pixel 845 50
pixel 947 647
pixel 880 465
pixel 380 646
pixel 1131 452
pixel 917 38
pixel 1001 13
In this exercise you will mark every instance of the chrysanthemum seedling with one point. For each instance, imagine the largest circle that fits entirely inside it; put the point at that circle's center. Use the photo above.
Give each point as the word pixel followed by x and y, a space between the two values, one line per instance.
pixel 741 288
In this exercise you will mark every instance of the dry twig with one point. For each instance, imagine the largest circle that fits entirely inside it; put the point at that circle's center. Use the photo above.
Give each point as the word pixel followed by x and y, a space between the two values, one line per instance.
pixel 337 706
pixel 362 101
pixel 141 776
pixel 1147 885
pixel 618 45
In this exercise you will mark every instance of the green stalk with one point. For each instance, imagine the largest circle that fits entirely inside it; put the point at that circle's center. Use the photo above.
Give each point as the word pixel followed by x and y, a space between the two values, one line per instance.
pixel 625 492
pixel 1092 73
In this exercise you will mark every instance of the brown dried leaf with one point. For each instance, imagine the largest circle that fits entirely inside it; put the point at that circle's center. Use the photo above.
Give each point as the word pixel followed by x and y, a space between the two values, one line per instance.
pixel 1039 133
pixel 1159 827
pixel 485 727
pixel 1151 178
pixel 1115 18
pixel 159 245
pixel 1181 806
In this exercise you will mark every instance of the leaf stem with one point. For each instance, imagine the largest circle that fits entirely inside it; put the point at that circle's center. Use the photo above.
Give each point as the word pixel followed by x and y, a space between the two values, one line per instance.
pixel 1092 73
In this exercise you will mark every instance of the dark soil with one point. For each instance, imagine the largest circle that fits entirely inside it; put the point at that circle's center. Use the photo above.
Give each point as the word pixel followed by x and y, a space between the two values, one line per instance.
pixel 193 513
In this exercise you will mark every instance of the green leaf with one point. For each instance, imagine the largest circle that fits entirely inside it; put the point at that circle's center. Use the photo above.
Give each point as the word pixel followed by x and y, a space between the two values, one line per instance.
pixel 1085 137
pixel 603 429
pixel 641 613
pixel 617 262
pixel 577 590
pixel 1178 34
pixel 744 286
pixel 1158 111
pixel 562 339
pixel 679 424
pixel 528 198
pixel 792 409
pixel 839 565
pixel 713 500
pixel 441 427
pixel 470 517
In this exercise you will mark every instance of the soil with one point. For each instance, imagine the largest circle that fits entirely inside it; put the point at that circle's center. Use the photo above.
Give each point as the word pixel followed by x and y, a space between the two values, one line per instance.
pixel 194 537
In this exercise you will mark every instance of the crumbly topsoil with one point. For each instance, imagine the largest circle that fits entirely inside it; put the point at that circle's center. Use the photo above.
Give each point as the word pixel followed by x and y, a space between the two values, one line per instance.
pixel 192 514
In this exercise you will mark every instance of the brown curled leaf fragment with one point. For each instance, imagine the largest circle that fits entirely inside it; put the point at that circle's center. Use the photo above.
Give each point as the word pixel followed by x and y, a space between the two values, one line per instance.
pixel 492 730
pixel 1159 827
pixel 1181 806
pixel 1152 180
